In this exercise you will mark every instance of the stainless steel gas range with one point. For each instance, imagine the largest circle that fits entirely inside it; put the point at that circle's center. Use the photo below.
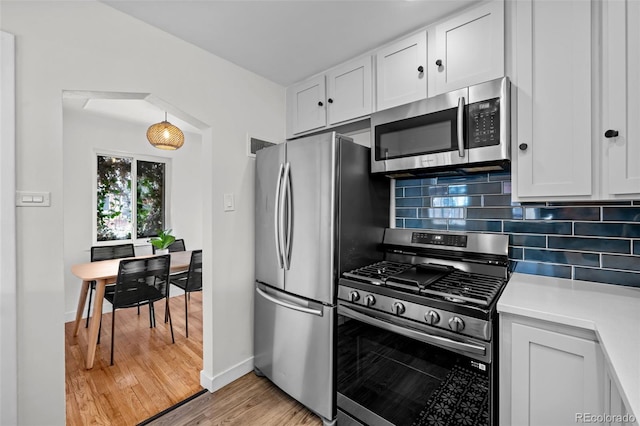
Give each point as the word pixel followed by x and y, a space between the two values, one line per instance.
pixel 416 331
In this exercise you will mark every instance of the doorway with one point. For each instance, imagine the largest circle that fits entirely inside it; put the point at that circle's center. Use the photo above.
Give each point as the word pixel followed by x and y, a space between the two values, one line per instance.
pixel 95 122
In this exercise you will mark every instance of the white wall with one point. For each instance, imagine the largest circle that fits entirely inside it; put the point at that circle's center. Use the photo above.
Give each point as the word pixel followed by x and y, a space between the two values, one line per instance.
pixel 88 46
pixel 85 133
pixel 8 314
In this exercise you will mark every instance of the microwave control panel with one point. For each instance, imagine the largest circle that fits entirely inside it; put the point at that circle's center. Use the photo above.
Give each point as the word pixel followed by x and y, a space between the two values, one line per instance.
pixel 484 123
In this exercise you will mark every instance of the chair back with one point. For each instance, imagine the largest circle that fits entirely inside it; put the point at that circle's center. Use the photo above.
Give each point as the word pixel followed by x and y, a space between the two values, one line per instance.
pixel 194 281
pixel 177 245
pixel 112 252
pixel 142 280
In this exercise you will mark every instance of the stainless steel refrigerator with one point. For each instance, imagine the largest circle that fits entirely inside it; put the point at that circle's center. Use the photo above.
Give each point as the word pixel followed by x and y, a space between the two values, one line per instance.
pixel 318 213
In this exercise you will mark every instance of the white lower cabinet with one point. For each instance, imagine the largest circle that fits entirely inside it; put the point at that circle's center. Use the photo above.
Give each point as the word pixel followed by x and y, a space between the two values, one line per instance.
pixel 549 375
pixel 614 406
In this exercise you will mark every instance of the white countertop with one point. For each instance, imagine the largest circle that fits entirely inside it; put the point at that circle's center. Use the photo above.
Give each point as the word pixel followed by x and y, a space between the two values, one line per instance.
pixel 612 311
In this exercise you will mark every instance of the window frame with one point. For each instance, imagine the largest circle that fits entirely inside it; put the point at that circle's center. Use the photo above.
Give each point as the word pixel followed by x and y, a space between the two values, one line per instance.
pixel 134 196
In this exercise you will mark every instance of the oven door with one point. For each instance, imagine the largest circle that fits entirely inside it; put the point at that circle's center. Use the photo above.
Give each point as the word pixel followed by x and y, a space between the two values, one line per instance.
pixel 393 374
pixel 426 133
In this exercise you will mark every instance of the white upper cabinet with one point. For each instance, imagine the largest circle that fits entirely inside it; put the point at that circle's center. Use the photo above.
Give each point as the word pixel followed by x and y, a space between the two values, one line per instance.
pixel 349 88
pixel 401 72
pixel 620 136
pixel 347 96
pixel 306 105
pixel 469 49
pixel 553 80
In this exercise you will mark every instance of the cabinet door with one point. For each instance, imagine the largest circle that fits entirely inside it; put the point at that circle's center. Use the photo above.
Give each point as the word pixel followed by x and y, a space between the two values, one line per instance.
pixel 306 104
pixel 613 403
pixel 469 48
pixel 555 377
pixel 349 91
pixel 621 91
pixel 399 79
pixel 553 78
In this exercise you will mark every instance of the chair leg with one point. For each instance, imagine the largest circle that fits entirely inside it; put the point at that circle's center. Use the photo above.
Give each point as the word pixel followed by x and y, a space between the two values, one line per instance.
pixel 152 315
pixel 113 323
pixel 186 314
pixel 173 340
pixel 99 330
pixel 166 310
pixel 89 305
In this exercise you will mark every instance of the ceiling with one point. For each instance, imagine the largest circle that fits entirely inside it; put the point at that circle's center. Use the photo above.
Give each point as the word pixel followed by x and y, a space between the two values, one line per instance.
pixel 287 41
pixel 284 41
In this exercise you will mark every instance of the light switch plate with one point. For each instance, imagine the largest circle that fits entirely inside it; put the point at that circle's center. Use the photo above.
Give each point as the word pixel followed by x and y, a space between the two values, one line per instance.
pixel 229 203
pixel 33 199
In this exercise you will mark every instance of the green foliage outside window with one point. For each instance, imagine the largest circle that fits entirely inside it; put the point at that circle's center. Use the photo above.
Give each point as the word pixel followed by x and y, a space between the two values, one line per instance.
pixel 150 202
pixel 114 198
pixel 115 210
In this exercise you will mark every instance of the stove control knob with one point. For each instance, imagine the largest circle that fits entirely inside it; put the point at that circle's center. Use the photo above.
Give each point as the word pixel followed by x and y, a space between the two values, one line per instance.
pixel 456 324
pixel 354 296
pixel 369 300
pixel 398 308
pixel 432 317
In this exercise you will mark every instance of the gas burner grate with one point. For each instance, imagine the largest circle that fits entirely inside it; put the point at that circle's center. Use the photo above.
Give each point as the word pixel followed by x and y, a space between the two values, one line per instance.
pixel 377 273
pixel 463 287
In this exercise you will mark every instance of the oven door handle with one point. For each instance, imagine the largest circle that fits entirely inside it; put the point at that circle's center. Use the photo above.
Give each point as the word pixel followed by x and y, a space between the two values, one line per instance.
pixel 409 332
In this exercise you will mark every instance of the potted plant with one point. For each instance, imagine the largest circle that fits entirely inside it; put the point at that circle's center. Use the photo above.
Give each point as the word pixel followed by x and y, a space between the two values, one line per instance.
pixel 163 241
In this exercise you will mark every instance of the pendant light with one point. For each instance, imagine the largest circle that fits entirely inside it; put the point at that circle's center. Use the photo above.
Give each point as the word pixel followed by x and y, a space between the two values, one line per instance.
pixel 165 135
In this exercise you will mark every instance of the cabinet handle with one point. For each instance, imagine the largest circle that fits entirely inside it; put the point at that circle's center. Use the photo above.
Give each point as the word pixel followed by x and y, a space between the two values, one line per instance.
pixel 439 63
pixel 330 100
pixel 523 146
pixel 420 68
pixel 611 133
pixel 320 103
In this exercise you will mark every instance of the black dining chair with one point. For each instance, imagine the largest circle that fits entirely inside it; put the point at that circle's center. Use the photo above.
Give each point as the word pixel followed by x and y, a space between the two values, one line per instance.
pixel 106 253
pixel 177 245
pixel 140 282
pixel 189 281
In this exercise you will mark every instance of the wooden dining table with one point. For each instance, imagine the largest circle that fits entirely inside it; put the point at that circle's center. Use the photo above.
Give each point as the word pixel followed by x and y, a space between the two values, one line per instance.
pixel 105 272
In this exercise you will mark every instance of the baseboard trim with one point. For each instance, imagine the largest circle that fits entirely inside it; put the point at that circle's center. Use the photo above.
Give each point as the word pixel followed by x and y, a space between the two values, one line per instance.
pixel 213 383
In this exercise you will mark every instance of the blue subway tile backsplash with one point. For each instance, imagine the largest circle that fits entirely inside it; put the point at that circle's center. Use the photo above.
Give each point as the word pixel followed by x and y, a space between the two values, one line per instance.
pixel 591 241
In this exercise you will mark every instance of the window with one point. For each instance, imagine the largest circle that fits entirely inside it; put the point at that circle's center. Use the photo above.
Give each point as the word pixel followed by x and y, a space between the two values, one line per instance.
pixel 130 198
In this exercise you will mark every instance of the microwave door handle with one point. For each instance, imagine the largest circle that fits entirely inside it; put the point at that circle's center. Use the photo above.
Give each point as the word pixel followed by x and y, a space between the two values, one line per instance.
pixel 461 126
pixel 277 215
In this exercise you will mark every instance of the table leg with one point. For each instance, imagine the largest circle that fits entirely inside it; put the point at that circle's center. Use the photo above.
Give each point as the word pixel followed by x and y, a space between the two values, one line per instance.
pixel 94 326
pixel 81 301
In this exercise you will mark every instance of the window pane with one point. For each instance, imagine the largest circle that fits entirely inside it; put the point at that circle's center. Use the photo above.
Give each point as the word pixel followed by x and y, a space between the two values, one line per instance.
pixel 151 206
pixel 114 198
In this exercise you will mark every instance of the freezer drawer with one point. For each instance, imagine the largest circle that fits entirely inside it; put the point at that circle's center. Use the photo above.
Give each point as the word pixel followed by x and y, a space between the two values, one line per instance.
pixel 294 347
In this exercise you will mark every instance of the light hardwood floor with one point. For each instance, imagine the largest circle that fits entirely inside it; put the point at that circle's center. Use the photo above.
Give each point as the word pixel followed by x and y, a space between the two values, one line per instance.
pixel 249 401
pixel 149 373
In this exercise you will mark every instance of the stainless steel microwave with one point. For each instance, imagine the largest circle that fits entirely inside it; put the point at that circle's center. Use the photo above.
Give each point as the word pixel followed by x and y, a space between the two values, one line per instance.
pixel 463 131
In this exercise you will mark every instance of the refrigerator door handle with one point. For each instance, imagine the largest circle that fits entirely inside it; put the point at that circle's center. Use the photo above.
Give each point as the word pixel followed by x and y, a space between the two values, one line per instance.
pixel 277 217
pixel 289 214
pixel 288 305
